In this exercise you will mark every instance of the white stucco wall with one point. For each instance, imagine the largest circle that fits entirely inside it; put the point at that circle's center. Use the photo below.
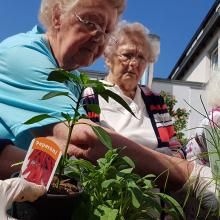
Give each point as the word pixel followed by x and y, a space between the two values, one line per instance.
pixel 200 70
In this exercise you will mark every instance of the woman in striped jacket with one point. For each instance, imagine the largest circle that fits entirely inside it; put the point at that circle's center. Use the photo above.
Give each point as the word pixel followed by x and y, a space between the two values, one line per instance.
pixel 127 59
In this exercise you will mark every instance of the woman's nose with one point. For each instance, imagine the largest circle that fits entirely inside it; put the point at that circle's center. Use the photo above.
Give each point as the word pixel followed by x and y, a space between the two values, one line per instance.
pixel 134 61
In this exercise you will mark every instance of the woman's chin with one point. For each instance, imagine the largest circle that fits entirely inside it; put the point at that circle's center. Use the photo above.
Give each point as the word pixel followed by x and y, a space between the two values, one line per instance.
pixel 86 61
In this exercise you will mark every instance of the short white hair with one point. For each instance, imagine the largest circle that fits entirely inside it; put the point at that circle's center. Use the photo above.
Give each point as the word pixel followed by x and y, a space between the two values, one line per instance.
pixel 47 7
pixel 212 91
pixel 127 29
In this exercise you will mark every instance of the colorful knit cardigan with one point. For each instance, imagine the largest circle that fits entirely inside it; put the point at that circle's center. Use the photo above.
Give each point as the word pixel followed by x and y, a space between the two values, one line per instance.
pixel 158 114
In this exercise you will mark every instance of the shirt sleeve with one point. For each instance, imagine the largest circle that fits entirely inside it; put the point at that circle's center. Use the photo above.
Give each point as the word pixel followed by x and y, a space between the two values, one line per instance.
pixel 23 83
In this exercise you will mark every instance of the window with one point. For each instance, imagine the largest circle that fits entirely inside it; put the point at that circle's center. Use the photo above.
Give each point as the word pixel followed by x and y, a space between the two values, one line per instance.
pixel 214 59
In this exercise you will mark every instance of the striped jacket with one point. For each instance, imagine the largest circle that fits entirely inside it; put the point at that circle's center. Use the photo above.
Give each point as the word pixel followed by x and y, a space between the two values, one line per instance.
pixel 158 114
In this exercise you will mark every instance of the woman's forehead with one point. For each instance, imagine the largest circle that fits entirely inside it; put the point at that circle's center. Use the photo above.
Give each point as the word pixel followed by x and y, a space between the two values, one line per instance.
pixel 132 43
pixel 99 10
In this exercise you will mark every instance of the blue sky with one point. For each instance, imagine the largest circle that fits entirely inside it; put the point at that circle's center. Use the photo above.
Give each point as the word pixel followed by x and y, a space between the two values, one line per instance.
pixel 175 21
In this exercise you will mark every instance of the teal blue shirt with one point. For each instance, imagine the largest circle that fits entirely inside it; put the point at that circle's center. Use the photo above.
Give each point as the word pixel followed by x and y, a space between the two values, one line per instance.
pixel 25 63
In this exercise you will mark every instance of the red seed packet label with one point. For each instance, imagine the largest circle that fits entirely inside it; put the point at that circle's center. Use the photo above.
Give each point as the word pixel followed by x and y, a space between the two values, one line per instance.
pixel 41 161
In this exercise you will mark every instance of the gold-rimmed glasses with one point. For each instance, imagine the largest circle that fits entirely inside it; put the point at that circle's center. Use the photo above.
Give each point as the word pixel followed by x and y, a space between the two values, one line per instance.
pixel 128 57
pixel 92 26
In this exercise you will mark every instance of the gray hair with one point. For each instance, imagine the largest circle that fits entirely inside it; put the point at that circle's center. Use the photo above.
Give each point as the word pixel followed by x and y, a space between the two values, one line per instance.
pixel 135 29
pixel 47 7
pixel 212 90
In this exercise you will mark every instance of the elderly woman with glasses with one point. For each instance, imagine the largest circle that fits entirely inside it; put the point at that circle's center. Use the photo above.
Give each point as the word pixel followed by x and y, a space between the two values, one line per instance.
pixel 76 32
pixel 127 61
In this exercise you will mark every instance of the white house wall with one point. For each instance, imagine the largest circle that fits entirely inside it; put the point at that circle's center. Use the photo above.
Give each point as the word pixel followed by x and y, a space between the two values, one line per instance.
pixel 200 69
pixel 197 72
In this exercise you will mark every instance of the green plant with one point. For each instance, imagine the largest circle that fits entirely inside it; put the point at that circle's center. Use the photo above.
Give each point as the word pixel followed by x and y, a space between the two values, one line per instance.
pixel 117 193
pixel 81 82
pixel 208 140
pixel 212 141
pixel 114 191
pixel 179 116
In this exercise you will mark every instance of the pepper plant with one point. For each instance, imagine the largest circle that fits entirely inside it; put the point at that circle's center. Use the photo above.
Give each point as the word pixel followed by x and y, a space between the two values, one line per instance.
pixel 81 82
pixel 116 192
pixel 113 190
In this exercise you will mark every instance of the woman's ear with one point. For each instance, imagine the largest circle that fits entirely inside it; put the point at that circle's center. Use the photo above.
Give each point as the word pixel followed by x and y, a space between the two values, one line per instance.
pixel 56 17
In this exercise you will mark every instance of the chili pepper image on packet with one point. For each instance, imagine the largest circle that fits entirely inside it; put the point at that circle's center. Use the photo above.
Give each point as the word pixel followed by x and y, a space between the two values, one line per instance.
pixel 41 161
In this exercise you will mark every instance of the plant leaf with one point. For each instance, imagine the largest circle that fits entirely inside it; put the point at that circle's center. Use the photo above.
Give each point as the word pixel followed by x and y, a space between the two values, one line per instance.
pixel 66 116
pixel 129 161
pixel 118 99
pixel 103 136
pixel 60 75
pixel 94 108
pixel 54 94
pixel 109 183
pixel 84 78
pixel 173 203
pixel 82 163
pixel 17 164
pixel 37 118
pixel 126 171
pixel 136 194
pixel 106 213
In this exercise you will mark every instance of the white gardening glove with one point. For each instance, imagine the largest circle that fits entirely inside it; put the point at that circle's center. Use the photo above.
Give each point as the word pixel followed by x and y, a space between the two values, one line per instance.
pixel 17 190
pixel 202 184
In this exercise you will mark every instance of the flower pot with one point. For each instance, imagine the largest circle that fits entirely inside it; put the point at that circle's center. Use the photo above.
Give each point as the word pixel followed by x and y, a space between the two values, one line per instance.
pixel 48 207
pixel 59 207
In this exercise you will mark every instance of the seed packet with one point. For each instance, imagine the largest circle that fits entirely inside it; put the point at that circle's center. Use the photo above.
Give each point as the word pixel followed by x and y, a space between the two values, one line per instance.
pixel 41 161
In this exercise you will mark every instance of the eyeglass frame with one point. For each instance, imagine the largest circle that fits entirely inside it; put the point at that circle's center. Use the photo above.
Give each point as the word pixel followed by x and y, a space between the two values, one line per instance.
pixel 126 59
pixel 97 28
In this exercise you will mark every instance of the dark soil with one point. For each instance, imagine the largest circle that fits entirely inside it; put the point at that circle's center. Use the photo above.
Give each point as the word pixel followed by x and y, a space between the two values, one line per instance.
pixel 66 187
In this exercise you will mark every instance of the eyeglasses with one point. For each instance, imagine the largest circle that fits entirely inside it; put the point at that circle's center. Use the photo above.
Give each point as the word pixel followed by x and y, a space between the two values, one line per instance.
pixel 92 26
pixel 128 57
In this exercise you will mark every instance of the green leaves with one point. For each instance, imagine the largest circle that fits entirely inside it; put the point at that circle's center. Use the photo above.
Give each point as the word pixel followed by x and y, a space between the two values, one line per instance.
pixel 117 193
pixel 175 205
pixel 61 76
pixel 114 191
pixel 108 93
pixel 54 94
pixel 103 136
pixel 106 213
pixel 136 194
pixel 37 118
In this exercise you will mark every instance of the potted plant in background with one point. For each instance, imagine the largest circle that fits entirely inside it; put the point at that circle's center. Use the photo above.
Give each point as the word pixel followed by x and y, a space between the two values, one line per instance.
pixel 179 116
pixel 112 190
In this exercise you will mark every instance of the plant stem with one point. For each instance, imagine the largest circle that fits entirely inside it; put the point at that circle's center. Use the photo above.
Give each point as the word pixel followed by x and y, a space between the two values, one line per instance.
pixel 65 155
pixel 71 126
